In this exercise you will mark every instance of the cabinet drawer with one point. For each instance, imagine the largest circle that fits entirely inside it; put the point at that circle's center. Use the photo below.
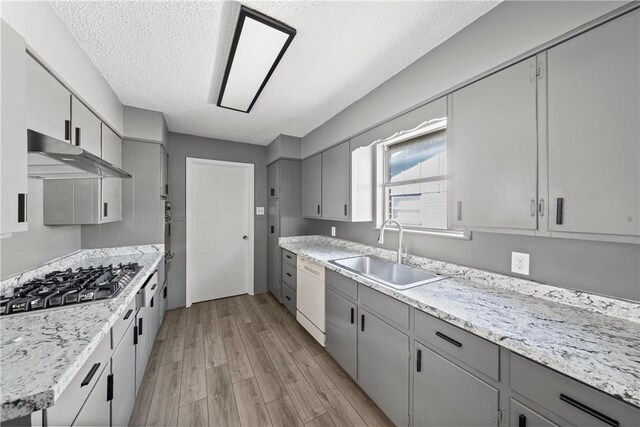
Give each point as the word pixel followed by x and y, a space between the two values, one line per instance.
pixel 576 402
pixel 289 275
pixel 466 347
pixel 148 290
pixel 289 257
pixel 69 403
pixel 289 298
pixel 341 284
pixel 390 308
pixel 118 329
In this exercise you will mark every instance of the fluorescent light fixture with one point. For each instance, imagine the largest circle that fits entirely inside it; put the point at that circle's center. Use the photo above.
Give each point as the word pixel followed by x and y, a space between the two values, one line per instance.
pixel 258 45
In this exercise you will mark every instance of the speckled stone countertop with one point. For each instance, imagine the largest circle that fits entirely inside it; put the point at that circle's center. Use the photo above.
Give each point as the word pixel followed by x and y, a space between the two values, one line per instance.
pixel 591 338
pixel 41 352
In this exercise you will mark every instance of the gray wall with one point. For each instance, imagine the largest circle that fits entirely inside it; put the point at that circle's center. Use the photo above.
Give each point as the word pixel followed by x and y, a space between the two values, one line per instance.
pixel 41 243
pixel 182 146
pixel 605 268
pixel 508 30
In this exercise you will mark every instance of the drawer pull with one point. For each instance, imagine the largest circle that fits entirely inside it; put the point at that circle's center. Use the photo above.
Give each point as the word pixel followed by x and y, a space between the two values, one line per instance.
pixel 419 361
pixel 362 323
pixel 109 387
pixel 135 335
pixel 126 316
pixel 154 286
pixel 447 339
pixel 288 256
pixel 140 326
pixel 522 421
pixel 353 315
pixel 288 297
pixel 289 274
pixel 90 375
pixel 584 408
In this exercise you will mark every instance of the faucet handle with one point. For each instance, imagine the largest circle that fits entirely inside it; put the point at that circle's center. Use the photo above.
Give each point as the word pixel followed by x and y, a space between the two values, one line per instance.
pixel 405 252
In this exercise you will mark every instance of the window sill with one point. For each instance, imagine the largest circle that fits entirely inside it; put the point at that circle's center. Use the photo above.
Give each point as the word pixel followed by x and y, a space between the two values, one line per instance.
pixel 448 234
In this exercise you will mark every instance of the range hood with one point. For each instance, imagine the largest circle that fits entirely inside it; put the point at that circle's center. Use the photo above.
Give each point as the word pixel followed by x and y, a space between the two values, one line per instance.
pixel 50 158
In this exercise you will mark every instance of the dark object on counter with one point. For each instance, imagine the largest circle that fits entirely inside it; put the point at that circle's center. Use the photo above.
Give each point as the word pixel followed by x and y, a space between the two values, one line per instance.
pixel 68 287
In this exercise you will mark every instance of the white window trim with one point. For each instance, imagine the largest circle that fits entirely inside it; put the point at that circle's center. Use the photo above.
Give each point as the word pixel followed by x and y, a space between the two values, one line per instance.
pixel 380 194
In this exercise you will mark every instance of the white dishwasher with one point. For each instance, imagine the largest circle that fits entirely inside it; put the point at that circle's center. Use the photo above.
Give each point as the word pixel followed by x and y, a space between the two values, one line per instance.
pixel 310 298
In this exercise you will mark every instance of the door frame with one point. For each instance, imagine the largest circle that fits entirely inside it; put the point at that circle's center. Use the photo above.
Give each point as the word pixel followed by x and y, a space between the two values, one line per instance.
pixel 190 163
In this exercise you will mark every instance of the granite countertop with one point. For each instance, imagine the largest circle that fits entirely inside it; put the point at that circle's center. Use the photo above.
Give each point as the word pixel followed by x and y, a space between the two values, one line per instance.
pixel 591 338
pixel 41 352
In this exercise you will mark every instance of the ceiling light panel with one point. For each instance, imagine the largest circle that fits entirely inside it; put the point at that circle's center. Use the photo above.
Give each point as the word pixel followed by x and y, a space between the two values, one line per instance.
pixel 258 45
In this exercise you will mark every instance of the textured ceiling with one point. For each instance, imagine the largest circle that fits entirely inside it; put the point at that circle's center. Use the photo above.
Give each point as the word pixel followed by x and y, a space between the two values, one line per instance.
pixel 170 56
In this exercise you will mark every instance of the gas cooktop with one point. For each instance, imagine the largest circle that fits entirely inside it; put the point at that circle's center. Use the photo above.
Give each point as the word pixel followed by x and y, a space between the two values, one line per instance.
pixel 69 287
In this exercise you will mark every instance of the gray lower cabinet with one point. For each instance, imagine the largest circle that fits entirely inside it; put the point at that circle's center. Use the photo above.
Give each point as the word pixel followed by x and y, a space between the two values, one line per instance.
pixel 383 366
pixel 522 416
pixel 289 298
pixel 273 250
pixel 96 410
pixel 141 344
pixel 336 182
pixel 493 155
pixel 342 331
pixel 444 394
pixel 312 187
pixel 593 110
pixel 123 368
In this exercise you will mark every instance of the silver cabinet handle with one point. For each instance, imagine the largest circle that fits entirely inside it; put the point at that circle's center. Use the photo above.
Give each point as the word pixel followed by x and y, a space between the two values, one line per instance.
pixel 533 207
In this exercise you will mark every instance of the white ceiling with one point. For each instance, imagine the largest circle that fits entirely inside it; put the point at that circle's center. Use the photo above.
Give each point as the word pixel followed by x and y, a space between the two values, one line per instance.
pixel 170 56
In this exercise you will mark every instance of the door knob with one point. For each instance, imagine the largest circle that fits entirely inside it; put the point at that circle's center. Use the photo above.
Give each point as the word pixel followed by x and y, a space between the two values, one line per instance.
pixel 245 237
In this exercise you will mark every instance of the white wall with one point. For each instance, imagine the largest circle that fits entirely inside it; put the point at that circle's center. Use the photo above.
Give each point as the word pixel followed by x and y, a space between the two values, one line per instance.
pixel 49 39
pixel 510 29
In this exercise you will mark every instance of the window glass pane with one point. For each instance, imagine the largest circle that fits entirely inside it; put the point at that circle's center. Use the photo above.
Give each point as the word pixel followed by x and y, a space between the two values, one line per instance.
pixel 422 157
pixel 419 205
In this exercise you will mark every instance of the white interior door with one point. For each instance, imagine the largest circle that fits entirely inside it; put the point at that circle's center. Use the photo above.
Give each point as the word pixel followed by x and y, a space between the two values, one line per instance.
pixel 219 229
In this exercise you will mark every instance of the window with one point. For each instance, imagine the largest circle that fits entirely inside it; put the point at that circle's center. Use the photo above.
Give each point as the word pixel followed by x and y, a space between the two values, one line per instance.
pixel 414 178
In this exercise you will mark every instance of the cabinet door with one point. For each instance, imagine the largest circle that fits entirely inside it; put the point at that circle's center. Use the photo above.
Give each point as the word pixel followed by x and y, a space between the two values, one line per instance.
pixel 312 187
pixel 48 103
pixel 493 151
pixel 86 128
pixel 123 369
pixel 164 171
pixel 336 174
pixel 142 347
pixel 273 180
pixel 521 416
pixel 594 131
pixel 446 395
pixel 273 250
pixel 383 366
pixel 342 331
pixel 111 187
pixel 96 410
pixel 148 207
pixel 13 116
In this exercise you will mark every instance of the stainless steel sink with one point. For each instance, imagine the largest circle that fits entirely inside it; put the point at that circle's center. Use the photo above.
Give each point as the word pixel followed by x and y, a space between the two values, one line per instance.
pixel 396 276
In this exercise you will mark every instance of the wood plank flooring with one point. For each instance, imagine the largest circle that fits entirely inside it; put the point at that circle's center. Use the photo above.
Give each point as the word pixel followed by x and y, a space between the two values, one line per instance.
pixel 245 361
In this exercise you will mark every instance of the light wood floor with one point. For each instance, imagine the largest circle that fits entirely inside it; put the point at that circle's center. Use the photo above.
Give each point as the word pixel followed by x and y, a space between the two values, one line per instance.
pixel 245 361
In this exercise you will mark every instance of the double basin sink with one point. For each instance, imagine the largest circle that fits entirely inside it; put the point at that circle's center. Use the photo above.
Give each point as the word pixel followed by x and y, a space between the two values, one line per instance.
pixel 393 275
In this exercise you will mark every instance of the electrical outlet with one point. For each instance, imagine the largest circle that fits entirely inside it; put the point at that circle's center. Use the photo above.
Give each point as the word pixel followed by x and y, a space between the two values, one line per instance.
pixel 260 210
pixel 520 263
pixel 333 231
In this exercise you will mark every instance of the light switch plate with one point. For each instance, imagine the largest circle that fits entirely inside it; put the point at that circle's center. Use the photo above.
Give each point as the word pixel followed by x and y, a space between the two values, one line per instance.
pixel 333 231
pixel 520 263
pixel 260 210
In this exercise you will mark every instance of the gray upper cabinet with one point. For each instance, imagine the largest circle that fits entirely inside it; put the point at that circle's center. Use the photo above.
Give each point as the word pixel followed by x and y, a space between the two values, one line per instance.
pixel 111 187
pixel 86 128
pixel 13 116
pixel 336 184
pixel 493 151
pixel 48 103
pixel 312 187
pixel 446 395
pixel 342 331
pixel 383 366
pixel 273 180
pixel 594 131
pixel 164 172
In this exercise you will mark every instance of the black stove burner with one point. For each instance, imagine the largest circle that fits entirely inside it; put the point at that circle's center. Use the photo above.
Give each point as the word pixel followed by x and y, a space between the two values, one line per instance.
pixel 68 287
